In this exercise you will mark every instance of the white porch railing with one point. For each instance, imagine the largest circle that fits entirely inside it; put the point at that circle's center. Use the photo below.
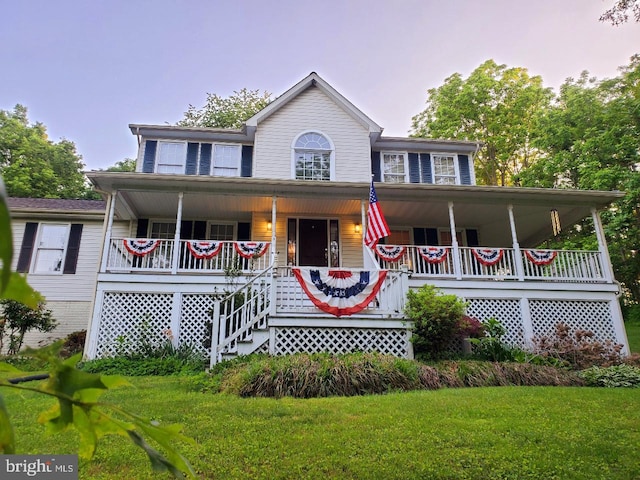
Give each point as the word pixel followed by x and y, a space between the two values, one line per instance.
pixel 291 298
pixel 161 259
pixel 567 266
pixel 237 313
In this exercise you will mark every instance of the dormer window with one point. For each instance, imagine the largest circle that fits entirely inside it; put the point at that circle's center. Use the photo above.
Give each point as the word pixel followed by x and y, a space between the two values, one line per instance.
pixel 444 170
pixel 313 157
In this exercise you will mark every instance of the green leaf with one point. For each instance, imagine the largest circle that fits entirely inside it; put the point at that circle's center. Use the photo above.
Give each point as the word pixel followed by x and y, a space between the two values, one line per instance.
pixel 19 290
pixel 158 462
pixel 7 439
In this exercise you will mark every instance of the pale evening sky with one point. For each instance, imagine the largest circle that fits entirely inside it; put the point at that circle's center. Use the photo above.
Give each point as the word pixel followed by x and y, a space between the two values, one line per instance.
pixel 86 69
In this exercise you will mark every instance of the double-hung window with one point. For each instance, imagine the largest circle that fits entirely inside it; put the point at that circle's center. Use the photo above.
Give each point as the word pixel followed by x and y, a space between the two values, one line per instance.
pixel 171 157
pixel 312 157
pixel 50 248
pixel 444 170
pixel 226 160
pixel 394 167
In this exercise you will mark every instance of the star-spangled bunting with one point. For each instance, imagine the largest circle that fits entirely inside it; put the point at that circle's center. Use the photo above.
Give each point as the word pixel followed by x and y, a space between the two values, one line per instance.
pixel 377 227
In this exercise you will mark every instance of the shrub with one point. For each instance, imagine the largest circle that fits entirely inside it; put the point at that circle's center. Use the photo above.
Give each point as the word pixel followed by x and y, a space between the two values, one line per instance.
pixel 613 376
pixel 16 319
pixel 490 346
pixel 435 318
pixel 74 343
pixel 578 350
pixel 141 366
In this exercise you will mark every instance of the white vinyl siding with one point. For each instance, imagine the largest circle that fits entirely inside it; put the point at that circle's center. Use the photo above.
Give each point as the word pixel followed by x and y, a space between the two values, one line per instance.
pixel 312 111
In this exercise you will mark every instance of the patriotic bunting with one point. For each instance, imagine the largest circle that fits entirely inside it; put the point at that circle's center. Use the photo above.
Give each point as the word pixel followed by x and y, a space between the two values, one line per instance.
pixel 204 249
pixel 251 249
pixel 140 246
pixel 487 256
pixel 340 292
pixel 540 257
pixel 433 254
pixel 390 253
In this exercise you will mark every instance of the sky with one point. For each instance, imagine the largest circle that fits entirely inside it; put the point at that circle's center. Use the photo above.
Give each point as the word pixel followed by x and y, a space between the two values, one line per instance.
pixel 87 69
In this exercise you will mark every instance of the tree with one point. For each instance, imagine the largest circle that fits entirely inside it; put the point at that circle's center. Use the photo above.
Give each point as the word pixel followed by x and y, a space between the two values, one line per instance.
pixel 17 319
pixel 590 139
pixel 619 13
pixel 34 166
pixel 495 105
pixel 230 112
pixel 126 165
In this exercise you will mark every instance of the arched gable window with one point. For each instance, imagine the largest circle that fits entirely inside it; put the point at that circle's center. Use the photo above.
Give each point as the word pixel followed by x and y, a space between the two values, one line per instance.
pixel 312 157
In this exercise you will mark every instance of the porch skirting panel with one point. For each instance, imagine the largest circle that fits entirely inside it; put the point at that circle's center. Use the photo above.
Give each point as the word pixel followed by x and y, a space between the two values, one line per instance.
pixel 338 340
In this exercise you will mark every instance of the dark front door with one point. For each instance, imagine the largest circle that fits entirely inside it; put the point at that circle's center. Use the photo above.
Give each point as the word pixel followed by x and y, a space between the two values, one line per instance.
pixel 312 242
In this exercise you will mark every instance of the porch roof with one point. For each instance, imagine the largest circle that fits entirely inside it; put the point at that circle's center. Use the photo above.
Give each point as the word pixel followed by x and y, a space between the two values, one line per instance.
pixel 150 196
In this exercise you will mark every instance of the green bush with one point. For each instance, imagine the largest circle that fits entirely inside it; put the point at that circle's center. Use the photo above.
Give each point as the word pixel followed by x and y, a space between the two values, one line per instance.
pixel 491 346
pixel 615 376
pixel 16 319
pixel 135 366
pixel 435 318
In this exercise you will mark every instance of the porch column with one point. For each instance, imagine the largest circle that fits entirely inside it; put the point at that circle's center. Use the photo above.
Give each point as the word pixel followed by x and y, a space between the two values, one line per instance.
pixel 107 236
pixel 176 239
pixel 602 246
pixel 516 246
pixel 457 267
pixel 274 253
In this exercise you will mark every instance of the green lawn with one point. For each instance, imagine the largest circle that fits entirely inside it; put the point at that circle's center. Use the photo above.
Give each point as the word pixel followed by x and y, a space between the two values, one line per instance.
pixel 473 433
pixel 633 335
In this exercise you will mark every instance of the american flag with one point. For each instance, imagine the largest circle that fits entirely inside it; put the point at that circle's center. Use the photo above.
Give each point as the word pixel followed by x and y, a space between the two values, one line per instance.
pixel 377 227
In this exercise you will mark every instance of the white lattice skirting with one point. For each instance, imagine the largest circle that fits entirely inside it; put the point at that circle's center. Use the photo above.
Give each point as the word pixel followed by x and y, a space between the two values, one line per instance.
pixel 126 318
pixel 336 340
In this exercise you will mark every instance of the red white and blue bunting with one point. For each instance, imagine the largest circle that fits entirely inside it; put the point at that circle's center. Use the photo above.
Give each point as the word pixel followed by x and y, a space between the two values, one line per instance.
pixel 340 292
pixel 390 253
pixel 140 246
pixel 251 249
pixel 204 249
pixel 487 256
pixel 540 257
pixel 433 254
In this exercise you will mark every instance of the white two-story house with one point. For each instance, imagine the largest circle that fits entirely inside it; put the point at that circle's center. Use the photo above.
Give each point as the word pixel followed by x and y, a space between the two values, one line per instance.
pixel 214 211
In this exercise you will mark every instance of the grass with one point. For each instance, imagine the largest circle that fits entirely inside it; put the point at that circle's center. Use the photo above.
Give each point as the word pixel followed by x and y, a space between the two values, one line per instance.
pixel 633 335
pixel 471 433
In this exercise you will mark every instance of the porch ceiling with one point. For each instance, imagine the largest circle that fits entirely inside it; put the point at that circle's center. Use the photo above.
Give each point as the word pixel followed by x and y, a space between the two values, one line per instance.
pixel 481 207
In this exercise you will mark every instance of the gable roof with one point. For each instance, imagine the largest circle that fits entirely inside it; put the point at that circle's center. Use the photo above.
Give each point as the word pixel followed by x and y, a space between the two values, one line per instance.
pixel 311 81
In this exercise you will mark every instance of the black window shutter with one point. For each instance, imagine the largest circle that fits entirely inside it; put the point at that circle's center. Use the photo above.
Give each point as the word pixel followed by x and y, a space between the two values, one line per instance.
pixel 414 168
pixel 472 238
pixel 149 160
pixel 205 158
pixel 425 163
pixel 186 230
pixel 192 159
pixel 375 166
pixel 26 250
pixel 432 236
pixel 418 236
pixel 244 232
pixel 199 230
pixel 143 227
pixel 465 173
pixel 73 248
pixel 246 169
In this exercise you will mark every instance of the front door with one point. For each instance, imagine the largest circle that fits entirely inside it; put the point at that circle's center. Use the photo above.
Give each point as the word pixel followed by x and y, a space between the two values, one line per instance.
pixel 312 242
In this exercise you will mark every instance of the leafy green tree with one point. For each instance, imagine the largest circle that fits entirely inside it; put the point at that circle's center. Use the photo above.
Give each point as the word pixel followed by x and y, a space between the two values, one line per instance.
pixel 126 165
pixel 34 166
pixel 619 13
pixel 590 139
pixel 495 105
pixel 229 112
